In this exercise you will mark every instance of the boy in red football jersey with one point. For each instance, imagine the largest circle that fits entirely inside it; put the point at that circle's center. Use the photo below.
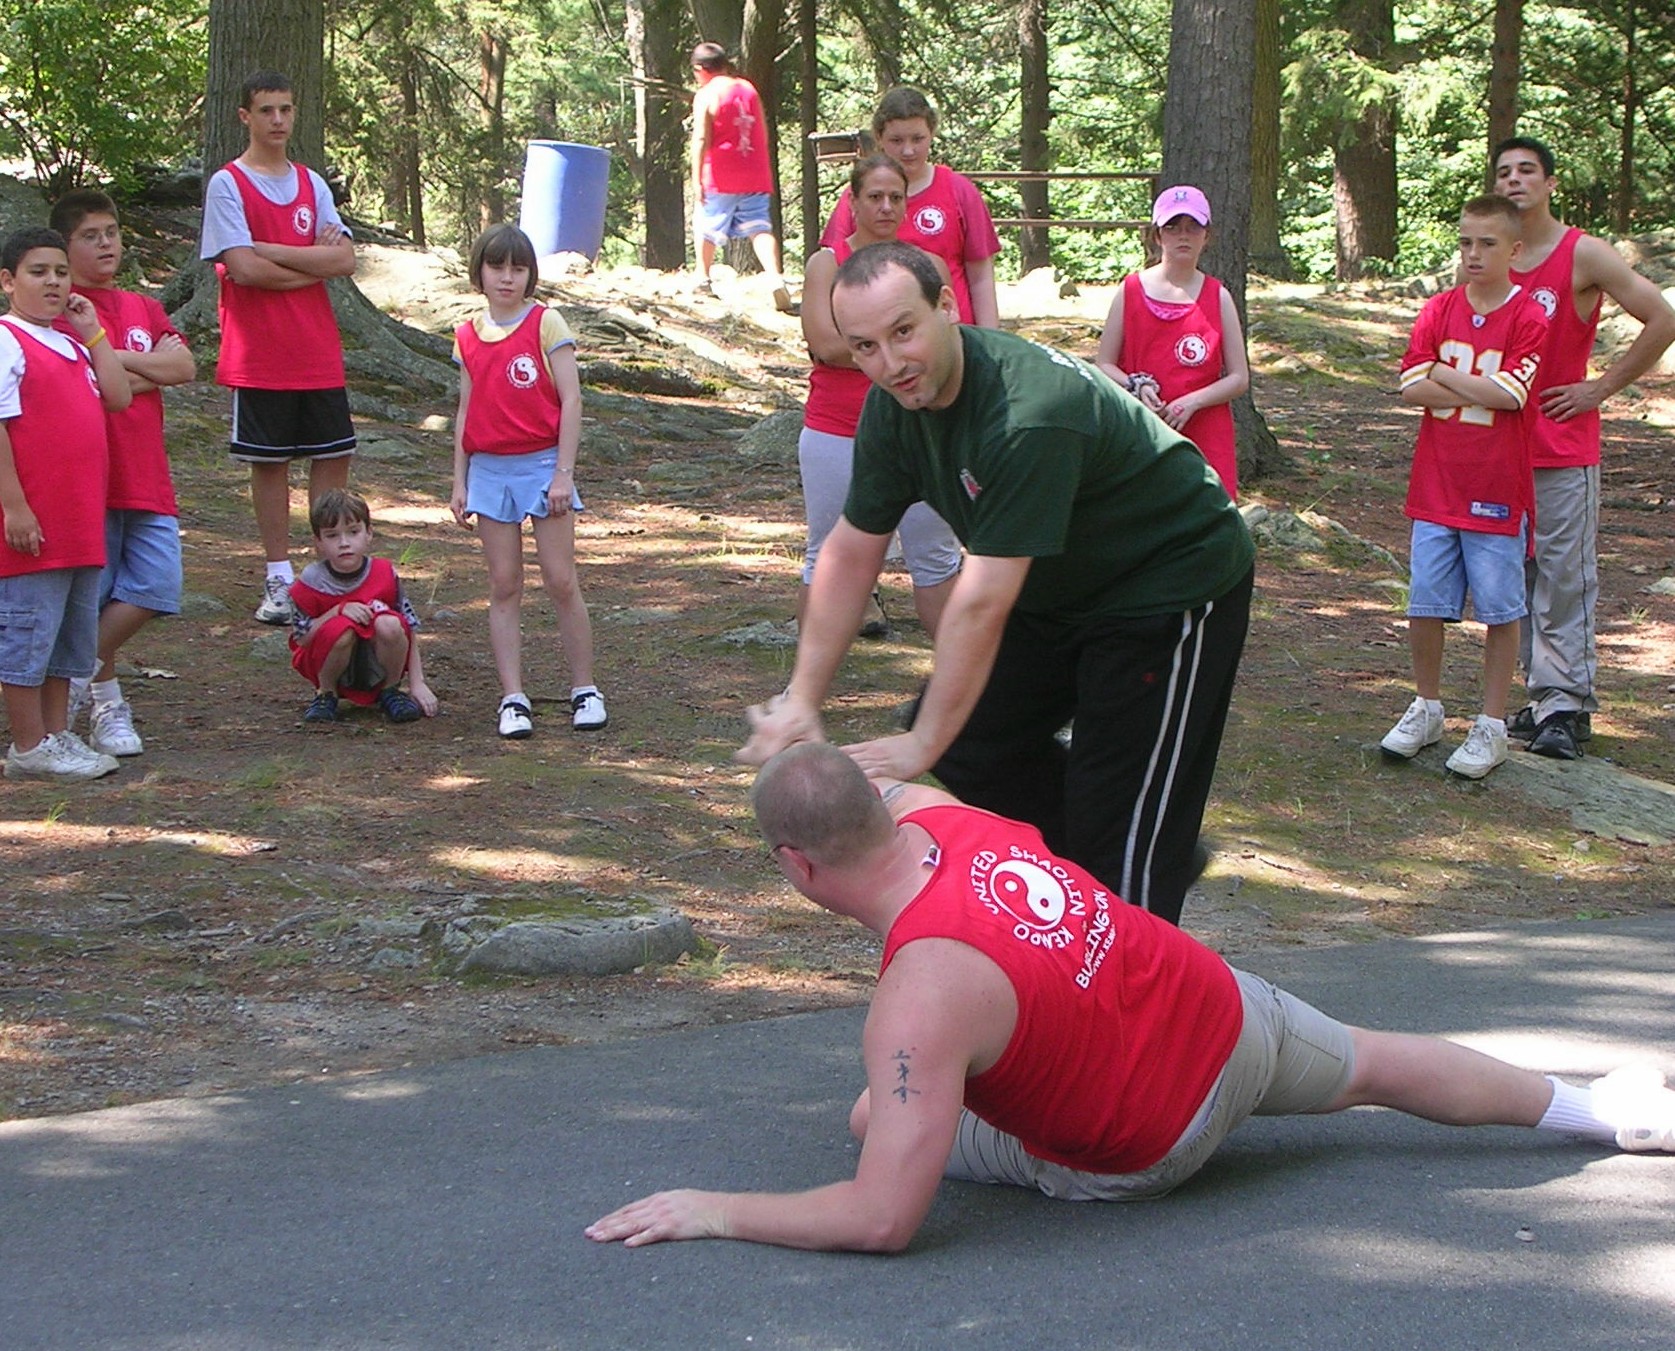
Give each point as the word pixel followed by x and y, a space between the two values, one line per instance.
pixel 1470 364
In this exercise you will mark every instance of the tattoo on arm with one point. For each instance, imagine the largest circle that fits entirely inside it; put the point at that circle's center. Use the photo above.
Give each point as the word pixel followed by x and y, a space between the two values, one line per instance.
pixel 890 794
pixel 903 1090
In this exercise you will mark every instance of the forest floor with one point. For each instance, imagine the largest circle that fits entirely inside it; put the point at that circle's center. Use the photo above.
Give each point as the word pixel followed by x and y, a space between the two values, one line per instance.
pixel 239 906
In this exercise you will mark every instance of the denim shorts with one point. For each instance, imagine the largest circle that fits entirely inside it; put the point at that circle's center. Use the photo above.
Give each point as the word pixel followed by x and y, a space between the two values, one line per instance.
pixel 142 561
pixel 1447 563
pixel 510 487
pixel 720 216
pixel 49 625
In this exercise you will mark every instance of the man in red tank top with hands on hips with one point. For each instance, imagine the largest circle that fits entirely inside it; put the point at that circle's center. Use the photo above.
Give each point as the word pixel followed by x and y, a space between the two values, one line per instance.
pixel 1568 273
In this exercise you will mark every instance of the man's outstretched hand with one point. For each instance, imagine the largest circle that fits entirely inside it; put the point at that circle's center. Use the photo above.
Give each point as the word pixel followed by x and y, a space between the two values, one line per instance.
pixel 661 1218
pixel 779 723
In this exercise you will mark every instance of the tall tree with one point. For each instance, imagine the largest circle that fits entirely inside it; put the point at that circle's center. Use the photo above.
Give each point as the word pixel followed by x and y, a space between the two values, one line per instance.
pixel 1207 142
pixel 653 35
pixel 1267 255
pixel 1364 159
pixel 249 35
pixel 1037 112
pixel 1504 73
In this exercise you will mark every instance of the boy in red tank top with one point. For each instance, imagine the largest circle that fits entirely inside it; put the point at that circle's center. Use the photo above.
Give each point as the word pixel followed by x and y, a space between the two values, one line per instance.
pixel 54 457
pixel 274 235
pixel 1568 273
pixel 142 576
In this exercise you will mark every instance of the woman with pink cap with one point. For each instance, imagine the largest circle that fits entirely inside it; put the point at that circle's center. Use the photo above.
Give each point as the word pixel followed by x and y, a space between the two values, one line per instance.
pixel 1172 338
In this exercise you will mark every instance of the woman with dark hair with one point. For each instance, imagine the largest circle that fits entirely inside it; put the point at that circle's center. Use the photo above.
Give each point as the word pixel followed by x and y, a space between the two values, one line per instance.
pixel 836 391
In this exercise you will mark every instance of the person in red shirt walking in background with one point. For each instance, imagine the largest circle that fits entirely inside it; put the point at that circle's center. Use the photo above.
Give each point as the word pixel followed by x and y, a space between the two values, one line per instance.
pixel 732 169
pixel 1172 338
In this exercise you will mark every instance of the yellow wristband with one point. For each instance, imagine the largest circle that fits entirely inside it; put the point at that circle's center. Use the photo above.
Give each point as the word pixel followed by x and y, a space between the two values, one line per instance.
pixel 96 339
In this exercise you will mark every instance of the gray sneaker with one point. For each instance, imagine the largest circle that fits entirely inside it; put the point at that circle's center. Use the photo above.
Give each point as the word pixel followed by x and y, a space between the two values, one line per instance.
pixel 276 607
pixel 1418 728
pixel 60 756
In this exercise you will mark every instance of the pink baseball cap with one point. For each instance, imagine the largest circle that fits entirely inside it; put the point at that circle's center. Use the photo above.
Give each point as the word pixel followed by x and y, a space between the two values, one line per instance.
pixel 1181 201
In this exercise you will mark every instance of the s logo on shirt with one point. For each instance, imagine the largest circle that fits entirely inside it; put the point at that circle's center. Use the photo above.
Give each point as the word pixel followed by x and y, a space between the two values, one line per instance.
pixel 930 220
pixel 522 371
pixel 302 221
pixel 137 339
pixel 1547 298
pixel 1192 350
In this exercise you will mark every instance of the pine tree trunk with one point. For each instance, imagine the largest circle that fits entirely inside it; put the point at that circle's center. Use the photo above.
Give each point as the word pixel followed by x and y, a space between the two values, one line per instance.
pixel 1503 75
pixel 245 36
pixel 652 34
pixel 1364 162
pixel 1267 255
pixel 1207 142
pixel 1033 153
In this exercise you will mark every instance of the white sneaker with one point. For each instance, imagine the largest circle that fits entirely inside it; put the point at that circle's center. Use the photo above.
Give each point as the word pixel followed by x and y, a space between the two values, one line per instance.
pixel 112 730
pixel 76 746
pixel 516 718
pixel 276 607
pixel 1418 729
pixel 1636 1102
pixel 1482 750
pixel 587 711
pixel 81 695
pixel 61 756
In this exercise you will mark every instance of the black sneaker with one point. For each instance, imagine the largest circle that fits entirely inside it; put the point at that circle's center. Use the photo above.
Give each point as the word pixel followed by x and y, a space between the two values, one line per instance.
pixel 1556 737
pixel 1522 726
pixel 399 706
pixel 323 708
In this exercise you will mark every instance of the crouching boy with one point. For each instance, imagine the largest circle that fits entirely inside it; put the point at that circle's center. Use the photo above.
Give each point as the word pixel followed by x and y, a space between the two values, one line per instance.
pixel 1470 365
pixel 353 633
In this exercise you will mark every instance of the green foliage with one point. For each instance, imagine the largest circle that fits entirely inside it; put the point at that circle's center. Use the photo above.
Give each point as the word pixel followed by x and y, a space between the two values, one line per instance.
pixel 98 87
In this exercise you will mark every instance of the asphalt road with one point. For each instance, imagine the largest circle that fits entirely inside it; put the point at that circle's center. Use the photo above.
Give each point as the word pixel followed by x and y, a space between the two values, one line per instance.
pixel 443 1208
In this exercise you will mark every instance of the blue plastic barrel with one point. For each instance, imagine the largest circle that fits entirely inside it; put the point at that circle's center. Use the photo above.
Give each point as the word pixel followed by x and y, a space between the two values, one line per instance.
pixel 564 192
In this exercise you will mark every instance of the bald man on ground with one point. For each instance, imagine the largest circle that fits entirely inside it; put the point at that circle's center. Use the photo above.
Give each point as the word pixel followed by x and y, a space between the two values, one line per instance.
pixel 1029 1028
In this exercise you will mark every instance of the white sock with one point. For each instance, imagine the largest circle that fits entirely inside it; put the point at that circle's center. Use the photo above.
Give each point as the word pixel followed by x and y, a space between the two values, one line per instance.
pixel 576 690
pixel 106 693
pixel 282 570
pixel 1572 1109
pixel 1434 707
pixel 516 696
pixel 1496 725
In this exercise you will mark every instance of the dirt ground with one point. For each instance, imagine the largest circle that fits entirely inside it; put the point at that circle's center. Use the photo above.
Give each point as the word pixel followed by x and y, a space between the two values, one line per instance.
pixel 243 904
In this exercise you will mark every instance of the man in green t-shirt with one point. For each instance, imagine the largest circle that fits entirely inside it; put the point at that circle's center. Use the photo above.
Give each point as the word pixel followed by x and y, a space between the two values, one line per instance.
pixel 1108 580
